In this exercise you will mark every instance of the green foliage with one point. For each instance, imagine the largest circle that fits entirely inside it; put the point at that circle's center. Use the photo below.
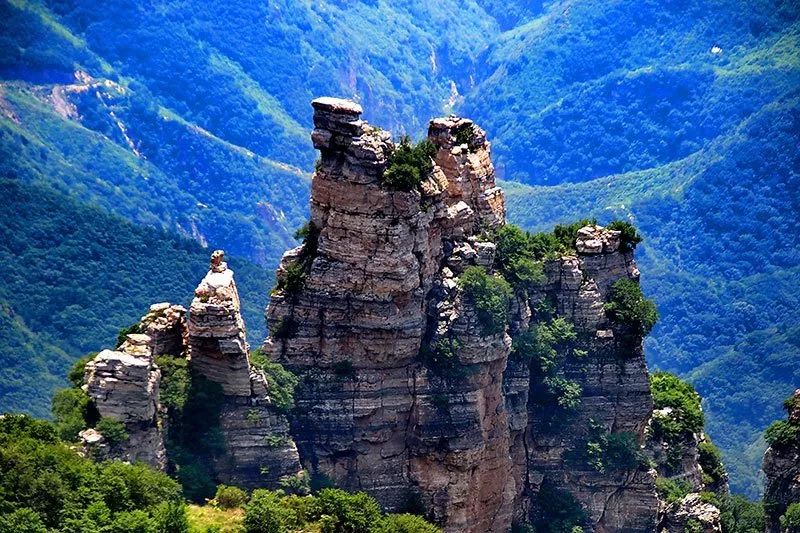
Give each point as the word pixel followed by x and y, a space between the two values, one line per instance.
pixel 782 433
pixel 628 306
pixel 740 515
pixel 44 483
pixel 175 382
pixel 293 279
pixel 566 393
pixel 629 237
pixel 124 332
pixel 556 510
pixel 515 257
pixel 542 342
pixel 409 165
pixel 710 460
pixel 442 357
pixel 406 523
pixel 491 296
pixel 281 382
pixel 70 412
pixel 112 430
pixel 672 490
pixel 669 390
pixel 565 234
pixel 608 452
pixel 228 497
pixel 297 484
pixel 328 511
pixel 790 521
pixel 76 373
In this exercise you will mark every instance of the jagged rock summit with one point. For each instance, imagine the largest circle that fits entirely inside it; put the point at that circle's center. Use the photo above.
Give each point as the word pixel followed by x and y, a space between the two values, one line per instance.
pixel 427 370
pixel 367 310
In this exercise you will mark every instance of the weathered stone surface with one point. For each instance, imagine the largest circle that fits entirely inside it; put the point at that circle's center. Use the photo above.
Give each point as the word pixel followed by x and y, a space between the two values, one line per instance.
pixel 615 396
pixel 123 385
pixel 372 417
pixel 218 347
pixel 165 324
pixel 691 514
pixel 782 473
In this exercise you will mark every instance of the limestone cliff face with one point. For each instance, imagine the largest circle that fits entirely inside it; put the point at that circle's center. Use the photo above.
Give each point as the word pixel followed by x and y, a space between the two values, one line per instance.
pixel 123 385
pixel 782 472
pixel 380 285
pixel 258 448
pixel 378 290
pixel 615 400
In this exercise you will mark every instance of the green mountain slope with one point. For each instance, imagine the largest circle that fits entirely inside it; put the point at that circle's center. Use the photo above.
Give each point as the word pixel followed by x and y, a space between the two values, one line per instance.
pixel 586 90
pixel 74 276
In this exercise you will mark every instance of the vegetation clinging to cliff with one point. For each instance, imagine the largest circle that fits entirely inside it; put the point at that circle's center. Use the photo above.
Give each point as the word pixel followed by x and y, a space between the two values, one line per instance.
pixel 409 164
pixel 628 306
pixel 491 296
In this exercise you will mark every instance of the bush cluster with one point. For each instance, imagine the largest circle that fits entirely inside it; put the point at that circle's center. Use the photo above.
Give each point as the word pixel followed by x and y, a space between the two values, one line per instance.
pixel 294 278
pixel 790 520
pixel 491 296
pixel 628 306
pixel 442 357
pixel 328 511
pixel 710 460
pixel 669 390
pixel 672 490
pixel 515 257
pixel 409 164
pixel 46 486
pixel 629 237
pixel 608 452
pixel 228 497
pixel 281 382
pixel 782 434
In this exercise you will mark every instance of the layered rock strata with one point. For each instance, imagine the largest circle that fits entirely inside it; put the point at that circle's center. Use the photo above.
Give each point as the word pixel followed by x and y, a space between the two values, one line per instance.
pixel 691 514
pixel 258 448
pixel 123 386
pixel 380 290
pixel 609 366
pixel 782 470
pixel 373 416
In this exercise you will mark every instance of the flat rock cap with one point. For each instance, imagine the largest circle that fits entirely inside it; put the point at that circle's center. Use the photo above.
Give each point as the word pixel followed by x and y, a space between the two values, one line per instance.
pixel 337 105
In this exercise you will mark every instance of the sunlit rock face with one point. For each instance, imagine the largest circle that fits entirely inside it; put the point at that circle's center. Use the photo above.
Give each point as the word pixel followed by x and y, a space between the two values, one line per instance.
pixel 379 287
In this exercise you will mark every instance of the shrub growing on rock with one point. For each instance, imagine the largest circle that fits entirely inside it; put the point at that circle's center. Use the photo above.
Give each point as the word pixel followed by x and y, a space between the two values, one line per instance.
pixel 782 434
pixel 686 415
pixel 70 409
pixel 629 237
pixel 628 306
pixel 514 257
pixel 491 296
pixel 790 521
pixel 408 165
pixel 112 430
pixel 281 382
pixel 228 497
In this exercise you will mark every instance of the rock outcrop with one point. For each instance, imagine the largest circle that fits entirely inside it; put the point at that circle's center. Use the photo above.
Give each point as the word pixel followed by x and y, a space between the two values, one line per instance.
pixel 123 386
pixel 608 364
pixel 258 448
pixel 691 514
pixel 217 340
pixel 782 469
pixel 403 393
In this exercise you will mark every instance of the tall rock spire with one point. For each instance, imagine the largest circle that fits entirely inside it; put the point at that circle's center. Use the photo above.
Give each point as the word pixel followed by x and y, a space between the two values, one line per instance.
pixel 217 343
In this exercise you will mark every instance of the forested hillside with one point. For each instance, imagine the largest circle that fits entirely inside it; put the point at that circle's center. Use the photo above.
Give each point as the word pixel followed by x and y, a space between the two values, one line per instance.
pixel 193 118
pixel 74 275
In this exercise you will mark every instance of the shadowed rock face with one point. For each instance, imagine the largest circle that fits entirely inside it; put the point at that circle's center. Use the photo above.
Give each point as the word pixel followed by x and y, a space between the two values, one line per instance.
pixel 380 286
pixel 782 473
